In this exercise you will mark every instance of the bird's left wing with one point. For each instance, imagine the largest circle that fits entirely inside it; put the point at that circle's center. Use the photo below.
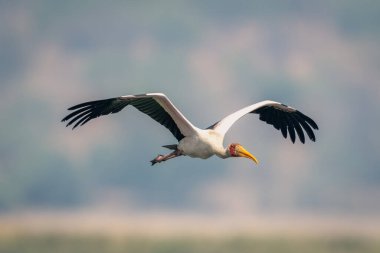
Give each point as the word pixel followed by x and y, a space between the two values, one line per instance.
pixel 282 117
pixel 155 105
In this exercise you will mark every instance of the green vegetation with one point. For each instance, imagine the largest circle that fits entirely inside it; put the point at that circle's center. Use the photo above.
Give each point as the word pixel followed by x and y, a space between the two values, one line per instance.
pixel 27 243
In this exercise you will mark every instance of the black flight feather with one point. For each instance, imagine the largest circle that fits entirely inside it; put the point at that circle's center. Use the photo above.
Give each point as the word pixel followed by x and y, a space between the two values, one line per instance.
pixel 84 112
pixel 287 119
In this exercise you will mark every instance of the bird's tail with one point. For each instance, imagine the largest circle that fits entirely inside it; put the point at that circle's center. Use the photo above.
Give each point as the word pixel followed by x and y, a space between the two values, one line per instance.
pixel 172 147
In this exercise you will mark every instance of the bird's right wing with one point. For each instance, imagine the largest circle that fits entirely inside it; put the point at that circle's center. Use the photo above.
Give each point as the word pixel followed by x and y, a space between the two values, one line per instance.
pixel 155 105
pixel 282 117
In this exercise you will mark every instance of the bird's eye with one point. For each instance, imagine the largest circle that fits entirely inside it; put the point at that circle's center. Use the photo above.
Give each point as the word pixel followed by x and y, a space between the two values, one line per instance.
pixel 233 150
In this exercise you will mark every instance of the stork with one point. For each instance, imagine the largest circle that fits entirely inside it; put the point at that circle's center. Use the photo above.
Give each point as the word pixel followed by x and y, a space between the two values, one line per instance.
pixel 194 141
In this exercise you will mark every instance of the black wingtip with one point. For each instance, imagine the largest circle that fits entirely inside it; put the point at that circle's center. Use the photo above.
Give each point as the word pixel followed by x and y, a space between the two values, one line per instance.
pixel 81 105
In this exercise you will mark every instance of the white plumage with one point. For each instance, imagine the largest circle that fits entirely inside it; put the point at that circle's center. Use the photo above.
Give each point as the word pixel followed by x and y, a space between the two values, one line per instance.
pixel 193 141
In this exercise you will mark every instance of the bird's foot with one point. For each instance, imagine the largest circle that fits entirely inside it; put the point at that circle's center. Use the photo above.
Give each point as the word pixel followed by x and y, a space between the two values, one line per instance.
pixel 158 159
pixel 161 158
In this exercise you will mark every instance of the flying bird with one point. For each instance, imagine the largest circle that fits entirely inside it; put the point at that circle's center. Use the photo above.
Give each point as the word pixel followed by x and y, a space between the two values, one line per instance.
pixel 193 141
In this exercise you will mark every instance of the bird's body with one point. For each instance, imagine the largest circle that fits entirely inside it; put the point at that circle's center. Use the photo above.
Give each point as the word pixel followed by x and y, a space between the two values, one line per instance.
pixel 203 144
pixel 193 141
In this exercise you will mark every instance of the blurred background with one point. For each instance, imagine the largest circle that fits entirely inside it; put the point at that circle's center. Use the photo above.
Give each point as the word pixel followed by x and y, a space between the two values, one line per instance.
pixel 210 58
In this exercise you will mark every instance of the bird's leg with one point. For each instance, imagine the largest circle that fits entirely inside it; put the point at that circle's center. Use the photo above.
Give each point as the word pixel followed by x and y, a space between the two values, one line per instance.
pixel 162 158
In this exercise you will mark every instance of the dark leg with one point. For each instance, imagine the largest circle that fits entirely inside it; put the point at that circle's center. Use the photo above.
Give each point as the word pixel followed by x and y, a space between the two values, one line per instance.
pixel 162 158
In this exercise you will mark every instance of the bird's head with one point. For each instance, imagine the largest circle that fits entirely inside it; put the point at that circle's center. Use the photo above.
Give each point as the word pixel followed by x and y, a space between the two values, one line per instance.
pixel 237 150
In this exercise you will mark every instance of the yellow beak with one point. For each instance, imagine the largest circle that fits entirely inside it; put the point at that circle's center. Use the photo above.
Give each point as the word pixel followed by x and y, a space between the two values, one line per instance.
pixel 242 152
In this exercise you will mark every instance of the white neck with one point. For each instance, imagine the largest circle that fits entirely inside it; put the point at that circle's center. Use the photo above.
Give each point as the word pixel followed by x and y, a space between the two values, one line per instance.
pixel 225 153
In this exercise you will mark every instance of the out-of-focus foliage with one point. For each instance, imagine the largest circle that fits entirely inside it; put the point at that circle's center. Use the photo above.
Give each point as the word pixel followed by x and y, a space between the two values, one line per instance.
pixel 66 243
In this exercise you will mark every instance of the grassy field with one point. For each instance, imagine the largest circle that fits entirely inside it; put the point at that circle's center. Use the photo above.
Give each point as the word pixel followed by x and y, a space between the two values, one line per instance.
pixel 63 243
pixel 97 232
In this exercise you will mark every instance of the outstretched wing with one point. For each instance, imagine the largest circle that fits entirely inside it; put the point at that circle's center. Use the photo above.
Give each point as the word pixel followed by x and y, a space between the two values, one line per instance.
pixel 155 105
pixel 282 117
